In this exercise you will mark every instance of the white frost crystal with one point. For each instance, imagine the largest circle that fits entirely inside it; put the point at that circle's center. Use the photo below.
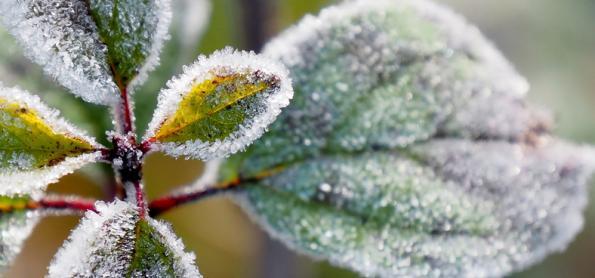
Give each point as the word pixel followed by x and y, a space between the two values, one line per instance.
pixel 105 245
pixel 161 19
pixel 34 181
pixel 21 177
pixel 184 265
pixel 259 112
pixel 409 149
pixel 62 37
pixel 101 246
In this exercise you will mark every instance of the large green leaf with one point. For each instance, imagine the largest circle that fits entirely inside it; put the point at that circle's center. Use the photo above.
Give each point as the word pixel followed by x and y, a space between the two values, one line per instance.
pixel 219 105
pixel 409 149
pixel 36 146
pixel 16 223
pixel 116 242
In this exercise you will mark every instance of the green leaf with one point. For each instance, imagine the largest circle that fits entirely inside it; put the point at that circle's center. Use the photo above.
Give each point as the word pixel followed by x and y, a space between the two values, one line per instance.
pixel 94 48
pixel 15 226
pixel 219 105
pixel 61 36
pixel 36 146
pixel 134 32
pixel 16 70
pixel 409 149
pixel 116 242
pixel 190 20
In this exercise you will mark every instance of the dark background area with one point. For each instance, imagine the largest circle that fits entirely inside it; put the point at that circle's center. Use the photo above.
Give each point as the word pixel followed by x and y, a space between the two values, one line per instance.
pixel 551 42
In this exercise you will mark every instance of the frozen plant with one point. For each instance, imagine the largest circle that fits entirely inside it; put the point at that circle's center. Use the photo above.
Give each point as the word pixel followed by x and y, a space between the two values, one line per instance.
pixel 408 150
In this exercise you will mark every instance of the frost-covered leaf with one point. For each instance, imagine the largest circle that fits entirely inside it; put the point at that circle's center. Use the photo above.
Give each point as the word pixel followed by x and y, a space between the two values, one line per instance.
pixel 466 209
pixel 62 37
pixel 385 74
pixel 15 226
pixel 134 32
pixel 189 22
pixel 219 105
pixel 115 242
pixel 91 47
pixel 36 146
pixel 16 70
pixel 409 149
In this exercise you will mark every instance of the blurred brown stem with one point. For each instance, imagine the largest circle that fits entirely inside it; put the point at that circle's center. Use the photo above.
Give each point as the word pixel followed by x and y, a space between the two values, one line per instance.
pixel 255 14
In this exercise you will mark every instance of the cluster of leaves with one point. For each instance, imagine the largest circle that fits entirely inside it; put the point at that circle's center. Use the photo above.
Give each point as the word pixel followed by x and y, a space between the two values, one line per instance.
pixel 408 149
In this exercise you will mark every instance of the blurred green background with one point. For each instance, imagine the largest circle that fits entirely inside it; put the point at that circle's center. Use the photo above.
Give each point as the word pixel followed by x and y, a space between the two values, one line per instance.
pixel 551 42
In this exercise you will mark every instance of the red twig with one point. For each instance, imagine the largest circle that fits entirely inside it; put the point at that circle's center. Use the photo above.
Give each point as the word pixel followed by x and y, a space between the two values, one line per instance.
pixel 127 124
pixel 64 203
pixel 140 199
pixel 168 202
pixel 145 146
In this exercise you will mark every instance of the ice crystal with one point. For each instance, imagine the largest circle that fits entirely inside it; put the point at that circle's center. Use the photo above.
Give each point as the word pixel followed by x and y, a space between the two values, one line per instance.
pixel 115 242
pixel 36 180
pixel 409 149
pixel 102 245
pixel 183 263
pixel 62 37
pixel 30 165
pixel 233 95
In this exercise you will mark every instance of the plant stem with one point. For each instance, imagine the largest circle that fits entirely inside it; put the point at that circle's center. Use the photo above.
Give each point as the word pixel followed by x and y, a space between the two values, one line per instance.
pixel 127 162
pixel 254 19
pixel 127 153
pixel 140 199
pixel 127 123
pixel 165 203
pixel 173 200
pixel 63 203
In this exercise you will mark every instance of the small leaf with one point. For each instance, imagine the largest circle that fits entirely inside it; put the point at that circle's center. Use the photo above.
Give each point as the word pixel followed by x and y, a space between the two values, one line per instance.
pixel 134 32
pixel 409 149
pixel 91 47
pixel 15 226
pixel 115 242
pixel 36 146
pixel 15 69
pixel 61 36
pixel 219 105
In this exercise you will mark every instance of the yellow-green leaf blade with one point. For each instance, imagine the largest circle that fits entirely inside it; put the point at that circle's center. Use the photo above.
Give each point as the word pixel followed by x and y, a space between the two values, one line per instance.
pixel 36 146
pixel 219 105
pixel 214 103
